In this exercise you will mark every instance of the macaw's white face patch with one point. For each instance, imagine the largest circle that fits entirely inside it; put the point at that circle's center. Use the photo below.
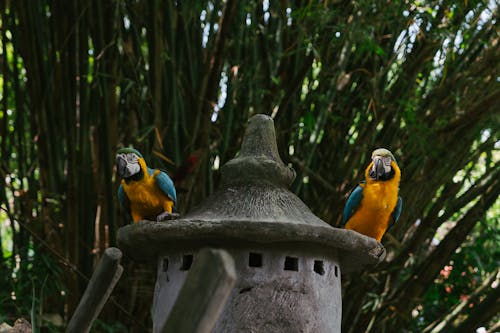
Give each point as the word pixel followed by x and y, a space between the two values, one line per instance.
pixel 381 168
pixel 386 161
pixel 127 165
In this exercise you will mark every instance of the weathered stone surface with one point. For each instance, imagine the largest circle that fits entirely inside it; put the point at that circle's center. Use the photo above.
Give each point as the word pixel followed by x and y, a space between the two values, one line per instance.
pixel 20 326
pixel 99 288
pixel 5 328
pixel 253 204
pixel 202 296
pixel 268 296
pixel 259 159
pixel 355 250
pixel 254 214
pixel 257 202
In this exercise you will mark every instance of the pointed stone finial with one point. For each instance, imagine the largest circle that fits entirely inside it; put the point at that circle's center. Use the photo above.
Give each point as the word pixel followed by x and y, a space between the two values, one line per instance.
pixel 259 159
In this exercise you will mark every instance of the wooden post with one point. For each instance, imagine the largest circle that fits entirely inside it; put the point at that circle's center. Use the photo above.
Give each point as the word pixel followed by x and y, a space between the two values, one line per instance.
pixel 100 286
pixel 204 293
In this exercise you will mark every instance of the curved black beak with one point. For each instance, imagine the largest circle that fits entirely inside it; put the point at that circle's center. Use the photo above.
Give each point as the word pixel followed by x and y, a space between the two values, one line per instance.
pixel 378 169
pixel 121 166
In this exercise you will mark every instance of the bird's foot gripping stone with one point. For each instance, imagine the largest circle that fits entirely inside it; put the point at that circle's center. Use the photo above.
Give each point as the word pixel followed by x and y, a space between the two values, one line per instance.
pixel 166 216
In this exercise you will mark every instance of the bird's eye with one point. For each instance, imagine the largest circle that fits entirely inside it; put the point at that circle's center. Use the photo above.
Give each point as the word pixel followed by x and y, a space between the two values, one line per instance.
pixel 131 158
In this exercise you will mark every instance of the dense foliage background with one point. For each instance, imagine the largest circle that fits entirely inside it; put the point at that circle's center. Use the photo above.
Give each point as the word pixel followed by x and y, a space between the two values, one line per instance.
pixel 178 80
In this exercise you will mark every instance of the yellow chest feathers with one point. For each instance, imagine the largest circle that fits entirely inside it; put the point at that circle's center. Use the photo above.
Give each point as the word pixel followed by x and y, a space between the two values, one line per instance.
pixel 373 216
pixel 145 196
pixel 380 197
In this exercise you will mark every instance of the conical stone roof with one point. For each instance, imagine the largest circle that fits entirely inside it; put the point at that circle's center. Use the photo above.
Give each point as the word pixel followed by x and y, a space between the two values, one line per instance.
pixel 252 208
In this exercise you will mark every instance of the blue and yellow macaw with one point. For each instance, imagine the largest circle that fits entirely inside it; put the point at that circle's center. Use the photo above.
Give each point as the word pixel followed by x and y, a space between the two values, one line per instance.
pixel 375 205
pixel 144 193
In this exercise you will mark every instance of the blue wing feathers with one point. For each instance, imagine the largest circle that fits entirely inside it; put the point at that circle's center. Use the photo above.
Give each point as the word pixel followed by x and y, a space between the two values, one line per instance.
pixel 396 212
pixel 352 204
pixel 165 184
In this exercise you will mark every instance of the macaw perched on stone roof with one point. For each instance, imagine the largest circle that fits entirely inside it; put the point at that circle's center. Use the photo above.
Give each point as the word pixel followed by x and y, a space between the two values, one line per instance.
pixel 374 206
pixel 144 193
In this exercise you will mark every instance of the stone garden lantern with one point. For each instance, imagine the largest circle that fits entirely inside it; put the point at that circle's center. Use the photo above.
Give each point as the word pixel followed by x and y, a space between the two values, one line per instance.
pixel 288 261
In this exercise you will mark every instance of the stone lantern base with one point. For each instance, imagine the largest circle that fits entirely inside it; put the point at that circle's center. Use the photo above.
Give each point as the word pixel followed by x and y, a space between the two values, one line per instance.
pixel 274 286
